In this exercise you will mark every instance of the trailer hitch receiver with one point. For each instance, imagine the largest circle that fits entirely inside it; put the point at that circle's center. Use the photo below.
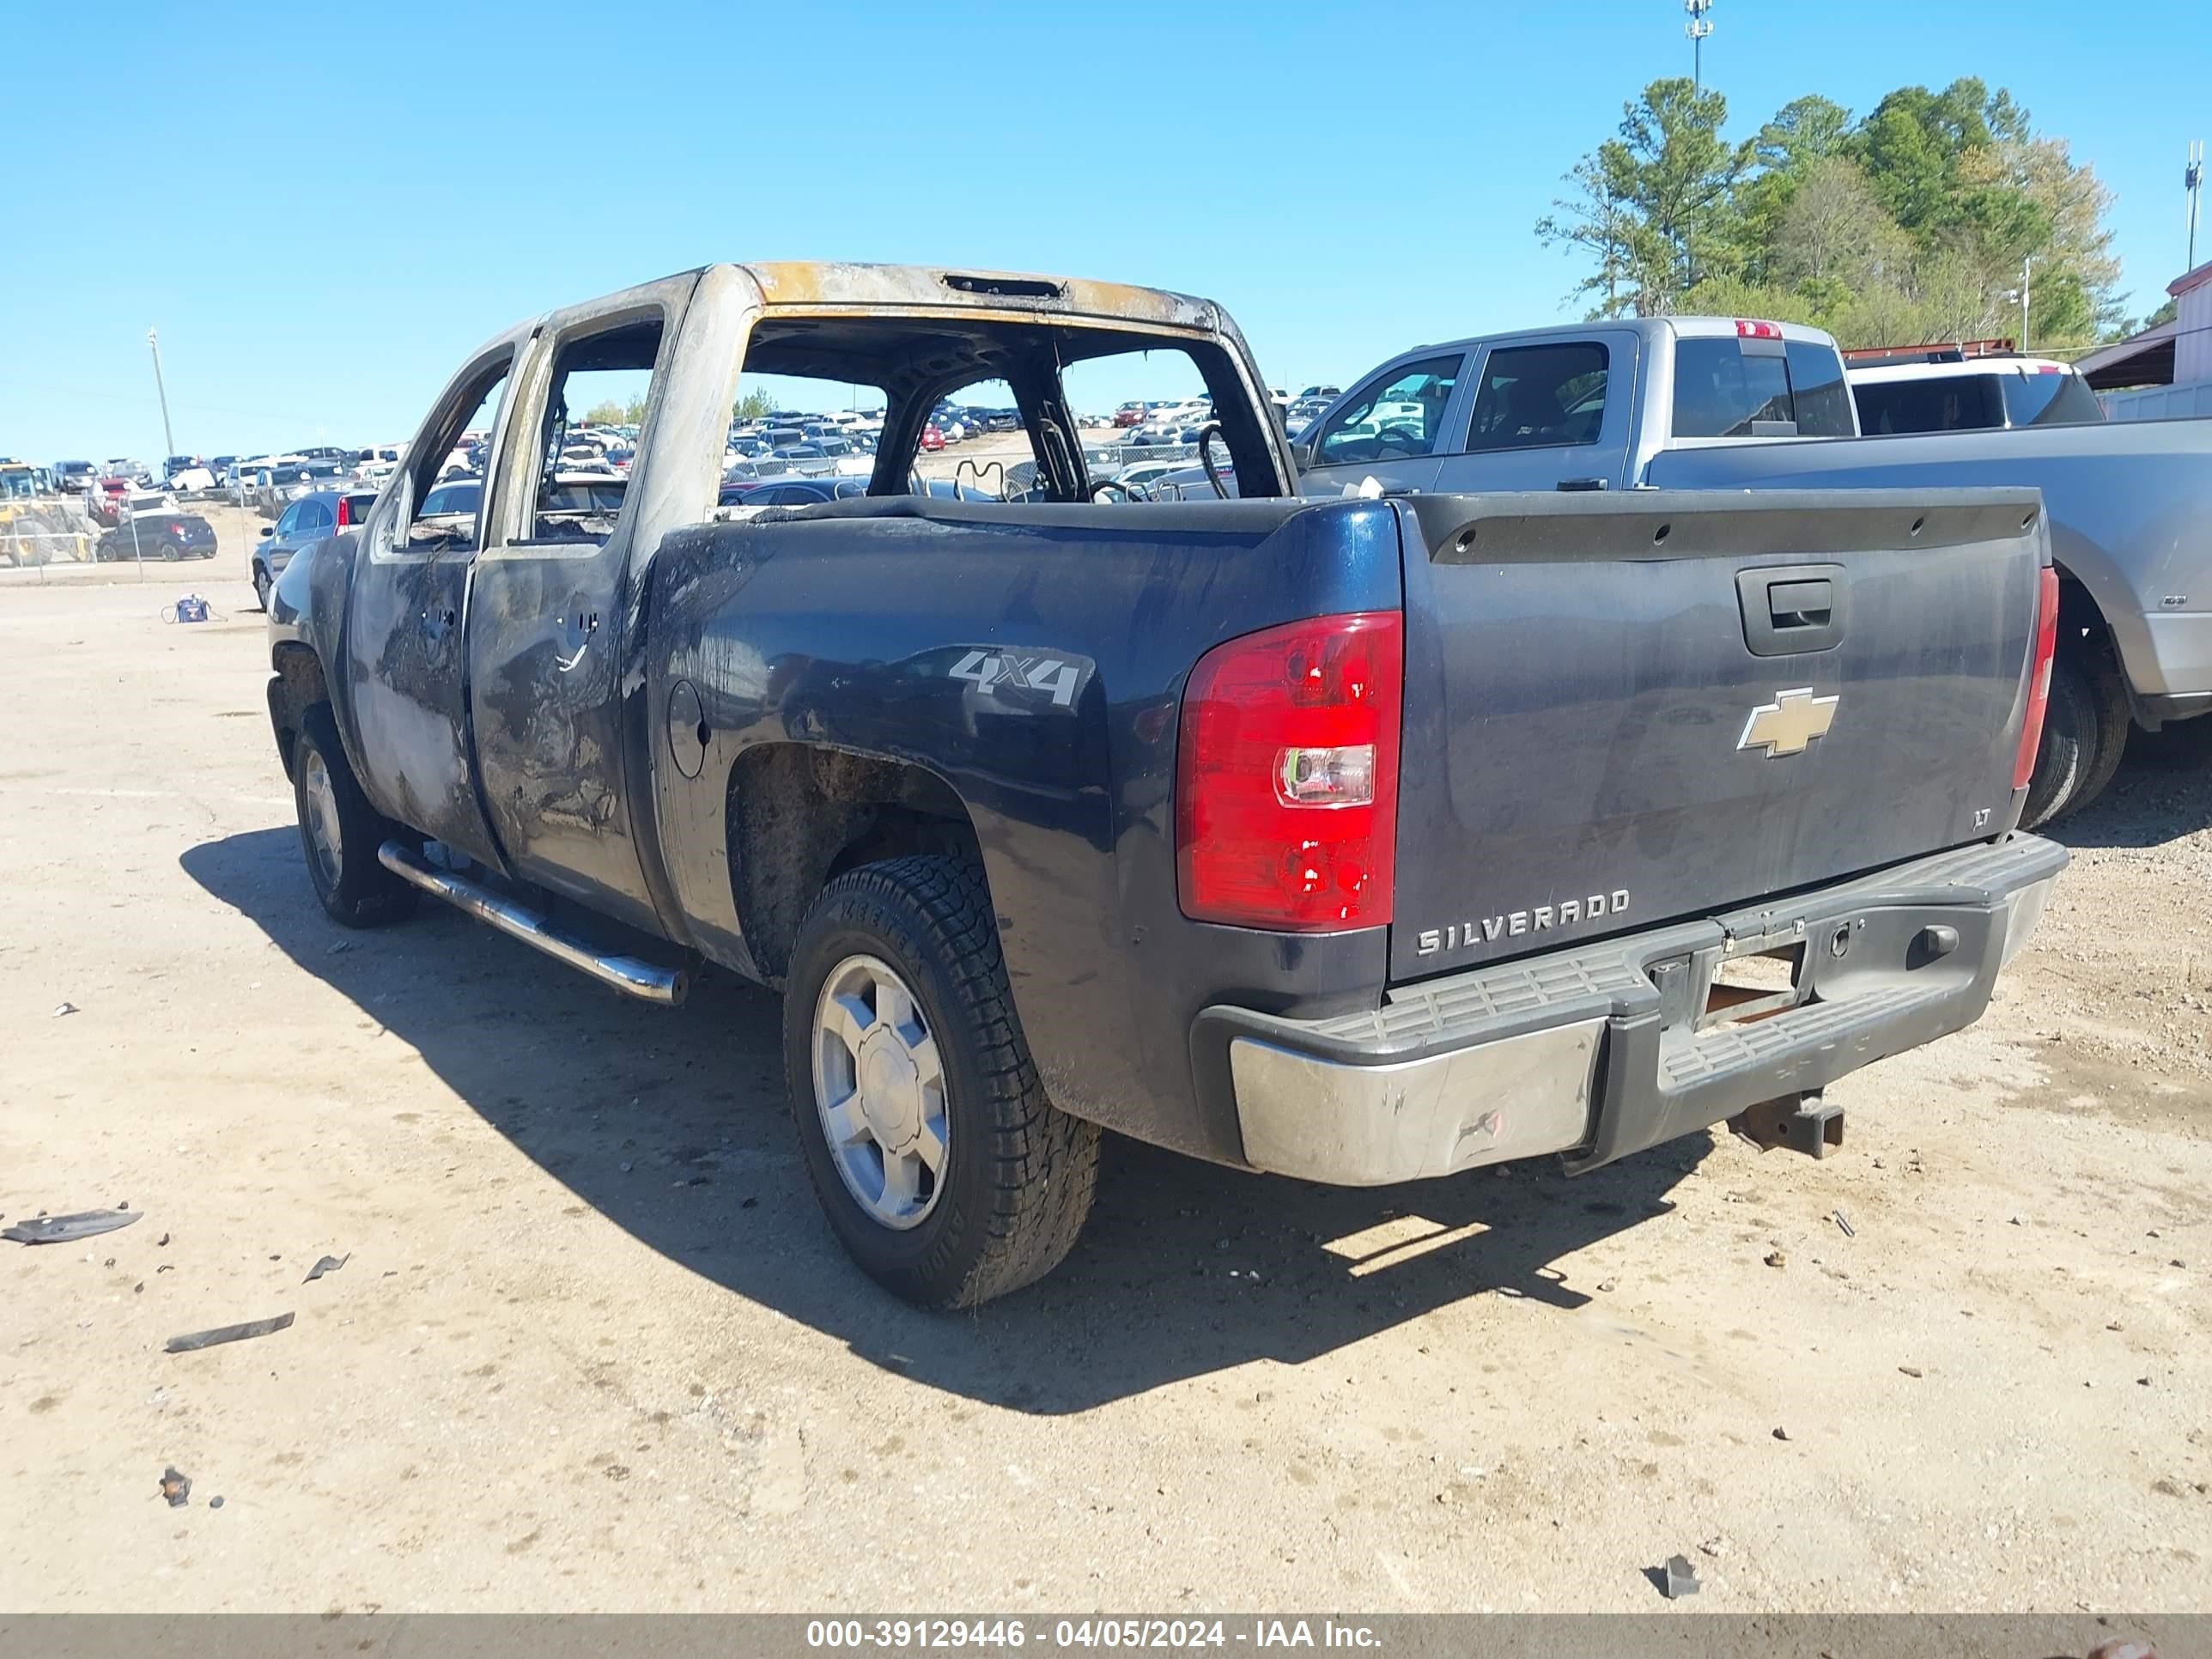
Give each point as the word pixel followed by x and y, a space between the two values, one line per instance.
pixel 1802 1122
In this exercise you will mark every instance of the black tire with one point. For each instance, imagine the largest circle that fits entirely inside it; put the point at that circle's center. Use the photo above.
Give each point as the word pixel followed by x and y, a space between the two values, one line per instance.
pixel 262 583
pixel 2084 732
pixel 170 551
pixel 2108 699
pixel 2069 727
pixel 356 889
pixel 1019 1173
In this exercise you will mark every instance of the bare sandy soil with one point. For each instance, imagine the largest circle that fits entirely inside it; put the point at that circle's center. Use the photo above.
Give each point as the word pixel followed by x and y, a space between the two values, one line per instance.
pixel 594 1348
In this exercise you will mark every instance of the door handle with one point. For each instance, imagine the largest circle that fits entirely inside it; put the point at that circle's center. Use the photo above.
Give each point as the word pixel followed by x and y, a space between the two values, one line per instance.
pixel 577 628
pixel 1582 483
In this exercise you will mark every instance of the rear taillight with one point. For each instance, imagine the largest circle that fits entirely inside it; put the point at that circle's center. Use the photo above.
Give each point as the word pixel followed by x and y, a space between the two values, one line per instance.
pixel 2039 677
pixel 1286 775
pixel 346 513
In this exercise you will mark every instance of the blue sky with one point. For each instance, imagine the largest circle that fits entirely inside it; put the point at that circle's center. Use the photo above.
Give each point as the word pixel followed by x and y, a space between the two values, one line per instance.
pixel 323 209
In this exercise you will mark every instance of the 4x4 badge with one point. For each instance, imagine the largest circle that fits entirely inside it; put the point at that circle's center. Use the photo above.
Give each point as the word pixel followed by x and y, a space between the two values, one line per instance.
pixel 1785 725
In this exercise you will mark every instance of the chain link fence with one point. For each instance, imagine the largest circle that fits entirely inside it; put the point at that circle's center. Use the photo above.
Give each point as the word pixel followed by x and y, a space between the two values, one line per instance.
pixel 54 530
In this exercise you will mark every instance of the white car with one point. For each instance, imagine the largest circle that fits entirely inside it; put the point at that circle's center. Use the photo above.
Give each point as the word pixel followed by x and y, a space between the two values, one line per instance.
pixel 1932 390
pixel 1143 475
pixel 1192 412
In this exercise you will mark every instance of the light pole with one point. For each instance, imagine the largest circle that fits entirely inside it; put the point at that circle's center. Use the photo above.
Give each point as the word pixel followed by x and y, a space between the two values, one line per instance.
pixel 2024 264
pixel 1698 28
pixel 168 438
pixel 2192 180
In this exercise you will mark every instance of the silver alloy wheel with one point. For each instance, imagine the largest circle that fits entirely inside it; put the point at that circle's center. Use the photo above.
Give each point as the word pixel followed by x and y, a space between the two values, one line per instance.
pixel 879 1087
pixel 325 843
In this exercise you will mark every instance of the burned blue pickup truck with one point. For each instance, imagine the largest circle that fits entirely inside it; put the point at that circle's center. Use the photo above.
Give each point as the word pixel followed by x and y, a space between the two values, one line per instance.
pixel 1363 840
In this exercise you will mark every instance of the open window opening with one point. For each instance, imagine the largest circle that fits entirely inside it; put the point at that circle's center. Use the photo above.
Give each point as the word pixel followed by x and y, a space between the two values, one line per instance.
pixel 990 410
pixel 446 468
pixel 595 409
pixel 798 441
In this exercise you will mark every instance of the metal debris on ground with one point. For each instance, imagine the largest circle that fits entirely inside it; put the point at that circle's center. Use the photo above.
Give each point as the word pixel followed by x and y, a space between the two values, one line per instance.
pixel 65 1008
pixel 177 1488
pixel 195 1341
pixel 1910 1370
pixel 1843 1221
pixel 329 1264
pixel 1681 1578
pixel 67 1229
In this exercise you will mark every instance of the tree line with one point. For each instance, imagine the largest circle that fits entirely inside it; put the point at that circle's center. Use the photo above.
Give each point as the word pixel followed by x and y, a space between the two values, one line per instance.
pixel 1912 223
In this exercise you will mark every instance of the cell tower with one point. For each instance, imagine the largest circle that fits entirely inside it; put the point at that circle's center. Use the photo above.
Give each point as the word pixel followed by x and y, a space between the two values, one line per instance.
pixel 1698 28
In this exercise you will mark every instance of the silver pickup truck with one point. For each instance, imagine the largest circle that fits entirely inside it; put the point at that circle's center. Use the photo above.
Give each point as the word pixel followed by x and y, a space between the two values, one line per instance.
pixel 1716 403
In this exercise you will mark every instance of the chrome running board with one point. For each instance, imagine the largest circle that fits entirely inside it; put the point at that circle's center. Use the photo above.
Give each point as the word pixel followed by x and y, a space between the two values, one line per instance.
pixel 666 987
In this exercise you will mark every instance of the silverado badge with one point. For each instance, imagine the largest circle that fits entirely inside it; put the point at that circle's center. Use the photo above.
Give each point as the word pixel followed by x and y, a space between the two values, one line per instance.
pixel 1785 725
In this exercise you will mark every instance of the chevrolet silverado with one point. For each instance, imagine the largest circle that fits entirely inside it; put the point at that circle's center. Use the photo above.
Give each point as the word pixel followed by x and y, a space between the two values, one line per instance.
pixel 1359 840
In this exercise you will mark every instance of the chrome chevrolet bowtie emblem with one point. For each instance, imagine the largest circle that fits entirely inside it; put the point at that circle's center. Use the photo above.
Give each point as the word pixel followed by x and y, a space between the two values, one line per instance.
pixel 1785 725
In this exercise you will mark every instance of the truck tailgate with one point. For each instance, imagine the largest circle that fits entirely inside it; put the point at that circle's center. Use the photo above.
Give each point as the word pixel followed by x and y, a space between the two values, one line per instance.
pixel 1623 711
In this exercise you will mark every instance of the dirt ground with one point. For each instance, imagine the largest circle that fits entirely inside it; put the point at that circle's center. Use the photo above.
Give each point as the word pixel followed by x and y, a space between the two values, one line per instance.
pixel 594 1348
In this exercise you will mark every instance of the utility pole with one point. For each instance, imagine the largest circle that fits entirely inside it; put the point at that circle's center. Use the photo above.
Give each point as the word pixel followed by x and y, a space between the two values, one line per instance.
pixel 2192 180
pixel 2024 265
pixel 1698 28
pixel 168 439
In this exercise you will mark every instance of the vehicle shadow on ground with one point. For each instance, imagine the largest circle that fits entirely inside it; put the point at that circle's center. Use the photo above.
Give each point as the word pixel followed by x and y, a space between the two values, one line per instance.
pixel 673 1124
pixel 2162 792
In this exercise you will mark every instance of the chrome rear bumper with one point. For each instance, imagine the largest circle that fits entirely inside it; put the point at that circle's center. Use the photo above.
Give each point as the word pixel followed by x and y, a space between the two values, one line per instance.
pixel 1599 1051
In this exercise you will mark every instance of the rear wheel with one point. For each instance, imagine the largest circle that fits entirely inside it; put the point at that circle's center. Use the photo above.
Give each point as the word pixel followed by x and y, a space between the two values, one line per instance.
pixel 946 1173
pixel 340 831
pixel 2085 733
pixel 262 583
pixel 171 552
pixel 2108 699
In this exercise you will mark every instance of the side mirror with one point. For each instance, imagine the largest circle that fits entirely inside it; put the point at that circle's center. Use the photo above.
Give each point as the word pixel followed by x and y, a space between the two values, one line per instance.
pixel 268 530
pixel 1302 451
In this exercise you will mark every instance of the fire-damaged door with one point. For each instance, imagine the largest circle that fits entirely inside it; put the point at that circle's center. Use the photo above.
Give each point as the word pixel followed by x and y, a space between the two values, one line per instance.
pixel 407 619
pixel 546 619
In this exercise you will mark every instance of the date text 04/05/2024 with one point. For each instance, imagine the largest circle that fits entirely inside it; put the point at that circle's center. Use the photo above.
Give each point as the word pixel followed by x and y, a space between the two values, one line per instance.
pixel 1166 1634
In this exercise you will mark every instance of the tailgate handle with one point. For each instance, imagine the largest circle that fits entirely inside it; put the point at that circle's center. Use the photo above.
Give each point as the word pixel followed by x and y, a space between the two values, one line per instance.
pixel 1793 608
pixel 1798 604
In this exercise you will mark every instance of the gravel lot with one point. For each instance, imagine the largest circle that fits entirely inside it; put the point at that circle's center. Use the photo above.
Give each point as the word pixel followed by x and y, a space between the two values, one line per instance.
pixel 593 1346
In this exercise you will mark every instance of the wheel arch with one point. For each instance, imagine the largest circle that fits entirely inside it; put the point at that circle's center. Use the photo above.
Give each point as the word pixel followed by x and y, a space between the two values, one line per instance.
pixel 2079 616
pixel 295 686
pixel 801 815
